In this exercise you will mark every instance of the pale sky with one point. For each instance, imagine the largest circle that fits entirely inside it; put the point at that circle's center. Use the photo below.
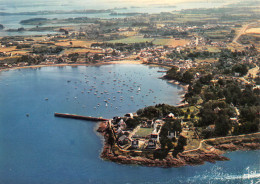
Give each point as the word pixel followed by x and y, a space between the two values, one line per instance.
pixel 164 2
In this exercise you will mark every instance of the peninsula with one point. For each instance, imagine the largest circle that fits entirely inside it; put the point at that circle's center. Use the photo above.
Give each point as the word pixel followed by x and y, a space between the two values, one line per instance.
pixel 213 53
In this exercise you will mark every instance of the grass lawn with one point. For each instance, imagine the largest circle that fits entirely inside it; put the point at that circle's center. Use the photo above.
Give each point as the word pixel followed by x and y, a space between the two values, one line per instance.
pixel 213 49
pixel 142 132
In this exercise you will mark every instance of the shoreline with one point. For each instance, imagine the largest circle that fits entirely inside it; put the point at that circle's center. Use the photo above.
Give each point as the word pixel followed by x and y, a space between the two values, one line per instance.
pixel 74 64
pixel 210 150
pixel 182 85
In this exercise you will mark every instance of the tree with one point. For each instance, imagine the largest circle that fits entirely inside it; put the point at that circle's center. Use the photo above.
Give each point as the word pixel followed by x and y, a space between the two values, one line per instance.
pixel 73 57
pixel 222 125
pixel 240 68
pixel 182 141
pixel 114 53
pixel 206 79
pixel 133 122
pixel 187 77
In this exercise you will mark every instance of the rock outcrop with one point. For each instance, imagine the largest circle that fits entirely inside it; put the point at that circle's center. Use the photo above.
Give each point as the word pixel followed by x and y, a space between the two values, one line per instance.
pixel 212 154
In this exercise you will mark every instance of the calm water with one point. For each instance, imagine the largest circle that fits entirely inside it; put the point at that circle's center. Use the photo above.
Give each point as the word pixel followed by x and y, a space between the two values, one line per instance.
pixel 44 149
pixel 16 6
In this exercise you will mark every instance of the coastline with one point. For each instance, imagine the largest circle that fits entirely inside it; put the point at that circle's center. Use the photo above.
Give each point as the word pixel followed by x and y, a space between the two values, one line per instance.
pixel 74 64
pixel 210 150
pixel 174 82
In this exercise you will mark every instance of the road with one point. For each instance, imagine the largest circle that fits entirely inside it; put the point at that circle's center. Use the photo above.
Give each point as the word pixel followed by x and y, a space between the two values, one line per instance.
pixel 241 32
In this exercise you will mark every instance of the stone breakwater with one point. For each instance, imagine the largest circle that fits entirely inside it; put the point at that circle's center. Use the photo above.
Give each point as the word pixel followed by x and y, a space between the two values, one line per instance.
pixel 210 151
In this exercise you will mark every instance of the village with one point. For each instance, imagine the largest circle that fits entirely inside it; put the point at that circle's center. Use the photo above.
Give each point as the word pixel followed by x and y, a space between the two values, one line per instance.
pixel 184 39
pixel 144 136
pixel 212 54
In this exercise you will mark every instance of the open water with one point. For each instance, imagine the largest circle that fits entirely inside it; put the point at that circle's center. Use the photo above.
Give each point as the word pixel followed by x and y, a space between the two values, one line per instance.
pixel 18 6
pixel 45 149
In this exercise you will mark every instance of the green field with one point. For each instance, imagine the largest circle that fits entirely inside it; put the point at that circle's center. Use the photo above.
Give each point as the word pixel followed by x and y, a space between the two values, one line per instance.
pixel 213 49
pixel 161 41
pixel 142 132
pixel 132 39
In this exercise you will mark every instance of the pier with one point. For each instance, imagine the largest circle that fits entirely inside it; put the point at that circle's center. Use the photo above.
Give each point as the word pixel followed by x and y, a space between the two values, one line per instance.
pixel 74 116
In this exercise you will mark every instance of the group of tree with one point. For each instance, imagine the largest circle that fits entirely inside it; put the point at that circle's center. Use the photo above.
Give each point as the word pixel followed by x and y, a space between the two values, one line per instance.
pixel 217 113
pixel 223 55
pixel 159 111
pixel 131 123
pixel 124 46
pixel 30 59
pixel 249 120
pixel 175 74
pixel 171 125
pixel 47 50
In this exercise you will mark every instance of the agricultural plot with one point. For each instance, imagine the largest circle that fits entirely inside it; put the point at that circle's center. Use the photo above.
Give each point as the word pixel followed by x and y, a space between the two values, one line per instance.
pixel 253 31
pixel 158 41
pixel 72 50
pixel 76 43
pixel 132 39
pixel 170 42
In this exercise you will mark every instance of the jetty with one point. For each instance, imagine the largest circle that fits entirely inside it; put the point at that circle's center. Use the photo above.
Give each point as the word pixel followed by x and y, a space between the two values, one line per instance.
pixel 74 116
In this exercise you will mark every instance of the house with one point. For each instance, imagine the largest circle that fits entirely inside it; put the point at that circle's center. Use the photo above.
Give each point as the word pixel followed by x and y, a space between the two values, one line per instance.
pixel 154 137
pixel 172 135
pixel 135 144
pixel 211 128
pixel 151 144
pixel 129 115
pixel 150 123
pixel 122 124
pixel 216 110
pixel 237 74
pixel 123 140
pixel 171 115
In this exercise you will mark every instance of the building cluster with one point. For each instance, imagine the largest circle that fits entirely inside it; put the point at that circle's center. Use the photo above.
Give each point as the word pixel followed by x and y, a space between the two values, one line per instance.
pixel 159 55
pixel 135 139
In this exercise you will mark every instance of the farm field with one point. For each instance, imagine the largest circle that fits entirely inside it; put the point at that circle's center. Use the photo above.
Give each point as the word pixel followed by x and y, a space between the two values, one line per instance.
pixel 79 50
pixel 74 43
pixel 158 41
pixel 171 42
pixel 132 39
pixel 253 30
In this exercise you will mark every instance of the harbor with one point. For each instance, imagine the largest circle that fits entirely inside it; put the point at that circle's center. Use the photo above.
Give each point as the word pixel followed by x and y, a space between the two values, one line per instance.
pixel 74 116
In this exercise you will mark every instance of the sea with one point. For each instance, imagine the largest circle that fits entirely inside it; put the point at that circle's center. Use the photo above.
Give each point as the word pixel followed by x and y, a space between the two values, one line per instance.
pixel 38 148
pixel 12 21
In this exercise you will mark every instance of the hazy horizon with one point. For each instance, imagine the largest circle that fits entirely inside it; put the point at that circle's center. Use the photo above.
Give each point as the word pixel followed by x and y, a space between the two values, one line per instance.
pixel 88 4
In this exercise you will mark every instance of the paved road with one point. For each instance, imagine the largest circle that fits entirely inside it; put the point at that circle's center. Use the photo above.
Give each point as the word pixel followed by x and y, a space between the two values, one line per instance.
pixel 242 31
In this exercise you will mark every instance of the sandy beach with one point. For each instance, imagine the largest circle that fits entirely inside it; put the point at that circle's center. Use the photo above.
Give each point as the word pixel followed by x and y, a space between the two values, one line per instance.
pixel 76 64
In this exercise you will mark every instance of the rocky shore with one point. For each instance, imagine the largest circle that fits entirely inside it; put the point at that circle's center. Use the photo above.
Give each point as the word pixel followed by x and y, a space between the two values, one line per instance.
pixel 244 142
pixel 210 152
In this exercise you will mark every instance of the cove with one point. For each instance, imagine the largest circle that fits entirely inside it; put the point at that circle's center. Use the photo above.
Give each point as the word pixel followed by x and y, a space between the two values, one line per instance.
pixel 43 149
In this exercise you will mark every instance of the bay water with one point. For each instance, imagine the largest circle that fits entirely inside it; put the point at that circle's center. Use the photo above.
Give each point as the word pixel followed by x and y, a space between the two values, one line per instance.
pixel 36 147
